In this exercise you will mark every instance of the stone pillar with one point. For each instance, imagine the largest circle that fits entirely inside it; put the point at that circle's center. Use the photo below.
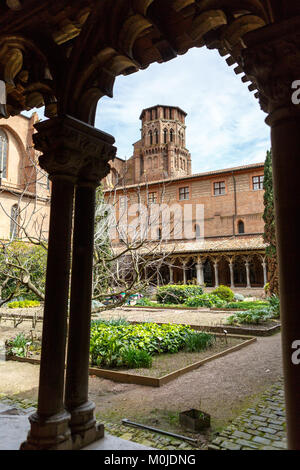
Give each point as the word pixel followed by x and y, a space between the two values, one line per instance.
pixel 171 274
pixel 66 150
pixel 216 274
pixel 83 424
pixel 264 266
pixel 272 60
pixel 231 274
pixel 200 272
pixel 247 265
pixel 184 271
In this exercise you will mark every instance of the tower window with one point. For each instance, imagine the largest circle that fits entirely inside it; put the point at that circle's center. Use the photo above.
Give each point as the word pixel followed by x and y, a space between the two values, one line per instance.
pixel 165 136
pixel 165 113
pixel 3 154
pixel 156 136
pixel 150 137
pixel 241 227
pixel 171 135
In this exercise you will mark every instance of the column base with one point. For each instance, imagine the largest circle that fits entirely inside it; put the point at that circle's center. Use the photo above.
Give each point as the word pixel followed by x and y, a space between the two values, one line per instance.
pixel 84 429
pixel 52 433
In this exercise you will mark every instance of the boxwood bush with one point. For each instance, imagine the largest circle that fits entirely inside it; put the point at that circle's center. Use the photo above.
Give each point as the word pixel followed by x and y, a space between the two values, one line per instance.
pixel 24 304
pixel 177 294
pixel 224 292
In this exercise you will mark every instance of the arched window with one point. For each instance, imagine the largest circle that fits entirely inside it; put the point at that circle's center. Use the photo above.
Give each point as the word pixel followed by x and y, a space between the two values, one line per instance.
pixel 150 138
pixel 14 216
pixel 241 226
pixel 159 234
pixel 150 162
pixel 183 164
pixel 171 135
pixel 165 136
pixel 156 136
pixel 3 154
pixel 155 162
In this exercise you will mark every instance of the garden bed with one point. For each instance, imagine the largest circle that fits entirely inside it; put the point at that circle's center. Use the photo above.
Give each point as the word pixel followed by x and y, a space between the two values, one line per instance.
pixel 166 367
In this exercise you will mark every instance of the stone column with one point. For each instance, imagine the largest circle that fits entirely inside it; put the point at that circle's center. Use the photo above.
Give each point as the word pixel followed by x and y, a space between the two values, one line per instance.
pixel 247 265
pixel 200 272
pixel 273 61
pixel 184 271
pixel 264 266
pixel 231 274
pixel 171 274
pixel 216 273
pixel 49 426
pixel 83 424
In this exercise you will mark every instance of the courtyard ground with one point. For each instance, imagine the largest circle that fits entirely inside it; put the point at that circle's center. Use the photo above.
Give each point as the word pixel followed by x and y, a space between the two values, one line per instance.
pixel 225 387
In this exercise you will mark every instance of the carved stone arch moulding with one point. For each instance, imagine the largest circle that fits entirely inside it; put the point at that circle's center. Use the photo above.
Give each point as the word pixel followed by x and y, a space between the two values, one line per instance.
pixel 24 69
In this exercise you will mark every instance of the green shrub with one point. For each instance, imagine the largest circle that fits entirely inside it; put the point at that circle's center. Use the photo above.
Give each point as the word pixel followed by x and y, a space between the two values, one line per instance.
pixel 24 304
pixel 198 341
pixel 248 305
pixel 239 297
pixel 205 300
pixel 224 292
pixel 134 358
pixel 18 346
pixel 177 294
pixel 144 301
pixel 275 305
pixel 251 317
pixel 110 322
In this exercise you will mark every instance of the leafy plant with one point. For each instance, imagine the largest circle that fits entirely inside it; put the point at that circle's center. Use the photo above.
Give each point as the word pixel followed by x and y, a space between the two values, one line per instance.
pixel 205 300
pixel 198 341
pixel 109 343
pixel 224 292
pixel 251 317
pixel 177 294
pixel 248 305
pixel 18 346
pixel 135 358
pixel 24 304
pixel 275 305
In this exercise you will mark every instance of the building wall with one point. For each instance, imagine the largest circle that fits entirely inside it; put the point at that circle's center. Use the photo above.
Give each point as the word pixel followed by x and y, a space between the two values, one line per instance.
pixel 222 213
pixel 25 184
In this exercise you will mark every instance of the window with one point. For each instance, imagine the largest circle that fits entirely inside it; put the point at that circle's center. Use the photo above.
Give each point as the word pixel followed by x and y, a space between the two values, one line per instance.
pixel 165 136
pixel 197 230
pixel 14 216
pixel 150 138
pixel 258 182
pixel 219 188
pixel 156 136
pixel 123 201
pixel 155 162
pixel 171 135
pixel 184 193
pixel 3 154
pixel 152 198
pixel 165 113
pixel 159 234
pixel 241 226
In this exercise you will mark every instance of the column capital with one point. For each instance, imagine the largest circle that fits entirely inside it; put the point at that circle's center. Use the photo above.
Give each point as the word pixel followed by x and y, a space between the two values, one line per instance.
pixel 271 59
pixel 74 149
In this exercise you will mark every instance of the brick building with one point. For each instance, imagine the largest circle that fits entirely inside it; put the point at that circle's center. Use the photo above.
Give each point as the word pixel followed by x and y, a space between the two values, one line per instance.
pixel 224 244
pixel 24 186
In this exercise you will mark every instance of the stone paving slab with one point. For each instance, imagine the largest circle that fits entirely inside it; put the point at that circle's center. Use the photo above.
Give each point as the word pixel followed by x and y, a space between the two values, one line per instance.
pixel 261 427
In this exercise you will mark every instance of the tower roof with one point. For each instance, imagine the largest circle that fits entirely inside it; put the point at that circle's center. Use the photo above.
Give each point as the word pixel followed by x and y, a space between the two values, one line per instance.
pixel 162 106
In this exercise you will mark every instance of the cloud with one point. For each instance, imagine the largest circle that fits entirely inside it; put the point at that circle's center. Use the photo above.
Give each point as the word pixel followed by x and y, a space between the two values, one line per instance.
pixel 225 126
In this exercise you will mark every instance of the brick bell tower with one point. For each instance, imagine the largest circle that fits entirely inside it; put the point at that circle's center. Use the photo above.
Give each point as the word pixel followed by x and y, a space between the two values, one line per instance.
pixel 161 152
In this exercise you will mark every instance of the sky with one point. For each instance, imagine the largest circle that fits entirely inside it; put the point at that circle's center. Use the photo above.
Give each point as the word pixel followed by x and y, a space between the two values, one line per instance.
pixel 225 125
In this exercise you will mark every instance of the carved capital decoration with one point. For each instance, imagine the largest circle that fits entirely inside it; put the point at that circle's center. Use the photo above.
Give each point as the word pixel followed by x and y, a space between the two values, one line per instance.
pixel 74 149
pixel 272 61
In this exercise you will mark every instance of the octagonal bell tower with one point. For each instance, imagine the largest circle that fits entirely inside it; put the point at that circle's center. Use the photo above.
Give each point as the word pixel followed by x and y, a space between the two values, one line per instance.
pixel 161 152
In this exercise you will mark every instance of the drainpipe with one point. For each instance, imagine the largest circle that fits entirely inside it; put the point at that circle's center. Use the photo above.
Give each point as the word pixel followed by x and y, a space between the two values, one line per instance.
pixel 235 205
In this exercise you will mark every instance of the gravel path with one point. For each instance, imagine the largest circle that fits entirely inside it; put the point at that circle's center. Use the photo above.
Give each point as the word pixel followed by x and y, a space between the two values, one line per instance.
pixel 222 387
